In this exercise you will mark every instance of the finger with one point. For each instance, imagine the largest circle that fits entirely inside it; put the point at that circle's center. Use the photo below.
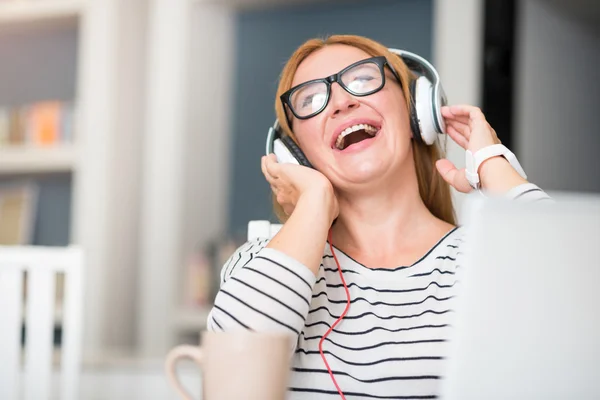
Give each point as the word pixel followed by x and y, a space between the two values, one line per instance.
pixel 476 117
pixel 477 121
pixel 474 114
pixel 496 138
pixel 272 167
pixel 464 110
pixel 263 168
pixel 460 120
pixel 463 129
pixel 456 178
pixel 288 210
pixel 280 199
pixel 459 138
pixel 447 113
pixel 270 179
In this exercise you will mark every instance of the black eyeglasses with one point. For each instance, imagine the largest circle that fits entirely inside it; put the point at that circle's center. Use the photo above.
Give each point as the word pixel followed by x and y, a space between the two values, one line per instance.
pixel 362 78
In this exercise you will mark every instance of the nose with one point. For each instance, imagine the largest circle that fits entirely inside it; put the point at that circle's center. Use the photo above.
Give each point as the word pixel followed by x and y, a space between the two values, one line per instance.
pixel 341 100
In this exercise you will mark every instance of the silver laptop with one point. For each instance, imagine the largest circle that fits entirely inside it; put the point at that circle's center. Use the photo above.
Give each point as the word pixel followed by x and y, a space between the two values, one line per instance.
pixel 528 316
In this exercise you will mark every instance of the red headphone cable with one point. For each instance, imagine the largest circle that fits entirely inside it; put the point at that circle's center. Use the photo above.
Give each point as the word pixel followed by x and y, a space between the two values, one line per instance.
pixel 338 320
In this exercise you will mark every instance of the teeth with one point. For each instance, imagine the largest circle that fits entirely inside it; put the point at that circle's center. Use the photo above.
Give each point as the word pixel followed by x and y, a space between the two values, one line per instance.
pixel 371 130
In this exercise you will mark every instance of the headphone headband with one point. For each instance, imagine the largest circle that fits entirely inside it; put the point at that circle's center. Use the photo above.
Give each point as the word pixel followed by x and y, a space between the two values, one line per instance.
pixel 271 136
pixel 416 63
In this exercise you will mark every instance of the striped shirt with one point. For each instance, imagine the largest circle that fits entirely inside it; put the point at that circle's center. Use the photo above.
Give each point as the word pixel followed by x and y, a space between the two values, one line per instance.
pixel 394 339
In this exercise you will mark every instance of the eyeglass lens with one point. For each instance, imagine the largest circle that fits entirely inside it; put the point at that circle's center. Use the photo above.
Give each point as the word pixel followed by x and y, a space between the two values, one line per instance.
pixel 360 80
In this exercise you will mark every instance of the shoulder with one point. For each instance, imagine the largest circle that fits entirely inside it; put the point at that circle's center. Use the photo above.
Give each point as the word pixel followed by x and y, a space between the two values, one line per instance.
pixel 453 234
pixel 445 254
pixel 450 243
pixel 241 256
pixel 527 192
pixel 457 234
pixel 456 237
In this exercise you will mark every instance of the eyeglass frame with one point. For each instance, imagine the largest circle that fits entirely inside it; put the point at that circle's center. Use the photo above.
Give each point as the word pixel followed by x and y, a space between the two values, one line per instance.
pixel 380 61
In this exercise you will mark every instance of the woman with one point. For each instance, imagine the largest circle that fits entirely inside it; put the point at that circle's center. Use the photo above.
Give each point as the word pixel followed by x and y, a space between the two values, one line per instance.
pixel 394 242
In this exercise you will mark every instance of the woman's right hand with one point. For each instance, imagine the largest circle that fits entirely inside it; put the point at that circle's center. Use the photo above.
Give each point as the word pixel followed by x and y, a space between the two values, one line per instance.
pixel 291 183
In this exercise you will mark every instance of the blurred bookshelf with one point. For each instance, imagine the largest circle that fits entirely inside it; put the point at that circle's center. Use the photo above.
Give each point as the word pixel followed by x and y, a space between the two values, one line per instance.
pixel 37 138
pixel 38 106
pixel 88 56
pixel 40 53
pixel 109 60
pixel 29 11
pixel 34 160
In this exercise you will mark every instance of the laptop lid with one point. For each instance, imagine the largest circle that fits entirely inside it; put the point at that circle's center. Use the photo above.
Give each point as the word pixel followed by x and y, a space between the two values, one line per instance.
pixel 528 316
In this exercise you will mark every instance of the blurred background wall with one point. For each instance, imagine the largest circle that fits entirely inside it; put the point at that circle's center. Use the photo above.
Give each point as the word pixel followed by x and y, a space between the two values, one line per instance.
pixel 558 54
pixel 173 100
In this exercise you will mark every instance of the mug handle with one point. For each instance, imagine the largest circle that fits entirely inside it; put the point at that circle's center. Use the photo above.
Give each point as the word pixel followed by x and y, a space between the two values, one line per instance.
pixel 193 353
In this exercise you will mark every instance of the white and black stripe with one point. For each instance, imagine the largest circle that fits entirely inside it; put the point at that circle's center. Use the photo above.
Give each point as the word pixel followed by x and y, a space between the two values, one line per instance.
pixel 392 343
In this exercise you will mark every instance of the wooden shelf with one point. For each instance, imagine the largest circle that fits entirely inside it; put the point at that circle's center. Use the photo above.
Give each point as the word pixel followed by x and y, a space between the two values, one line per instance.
pixel 20 11
pixel 24 160
pixel 191 319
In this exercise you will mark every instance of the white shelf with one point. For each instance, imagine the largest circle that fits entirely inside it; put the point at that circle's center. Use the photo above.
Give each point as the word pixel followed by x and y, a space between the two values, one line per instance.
pixel 58 315
pixel 23 159
pixel 13 11
pixel 191 319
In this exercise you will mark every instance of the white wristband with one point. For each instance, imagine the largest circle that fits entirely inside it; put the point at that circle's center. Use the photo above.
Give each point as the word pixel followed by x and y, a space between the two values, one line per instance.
pixel 474 161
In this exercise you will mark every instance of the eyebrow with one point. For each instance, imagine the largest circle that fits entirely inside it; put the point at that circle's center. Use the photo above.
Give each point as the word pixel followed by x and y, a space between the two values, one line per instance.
pixel 335 73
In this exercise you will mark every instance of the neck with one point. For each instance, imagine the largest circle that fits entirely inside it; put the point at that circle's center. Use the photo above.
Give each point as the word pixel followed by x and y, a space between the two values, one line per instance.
pixel 375 222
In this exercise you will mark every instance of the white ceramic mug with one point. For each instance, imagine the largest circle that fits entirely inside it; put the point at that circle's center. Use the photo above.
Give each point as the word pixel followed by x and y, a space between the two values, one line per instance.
pixel 237 365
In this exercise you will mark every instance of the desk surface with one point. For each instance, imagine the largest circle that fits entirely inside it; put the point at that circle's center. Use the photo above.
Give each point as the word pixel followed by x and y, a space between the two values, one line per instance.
pixel 131 382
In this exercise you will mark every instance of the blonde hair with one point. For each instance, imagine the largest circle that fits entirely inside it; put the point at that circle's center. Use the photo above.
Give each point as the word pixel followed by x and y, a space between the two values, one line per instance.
pixel 434 191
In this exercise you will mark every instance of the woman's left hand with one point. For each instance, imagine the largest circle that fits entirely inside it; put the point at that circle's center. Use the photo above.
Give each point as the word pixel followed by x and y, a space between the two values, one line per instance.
pixel 468 127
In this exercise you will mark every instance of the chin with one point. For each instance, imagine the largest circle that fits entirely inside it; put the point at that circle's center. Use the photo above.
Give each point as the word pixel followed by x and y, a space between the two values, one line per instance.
pixel 363 171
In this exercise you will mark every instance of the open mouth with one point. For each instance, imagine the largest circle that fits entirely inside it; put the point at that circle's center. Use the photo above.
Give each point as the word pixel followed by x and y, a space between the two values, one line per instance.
pixel 355 134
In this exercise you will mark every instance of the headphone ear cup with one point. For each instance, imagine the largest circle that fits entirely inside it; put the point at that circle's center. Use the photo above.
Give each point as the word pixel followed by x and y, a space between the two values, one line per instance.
pixel 414 118
pixel 424 113
pixel 295 151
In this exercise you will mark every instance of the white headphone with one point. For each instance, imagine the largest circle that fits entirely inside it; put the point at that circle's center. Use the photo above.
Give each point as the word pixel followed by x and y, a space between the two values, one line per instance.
pixel 426 121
